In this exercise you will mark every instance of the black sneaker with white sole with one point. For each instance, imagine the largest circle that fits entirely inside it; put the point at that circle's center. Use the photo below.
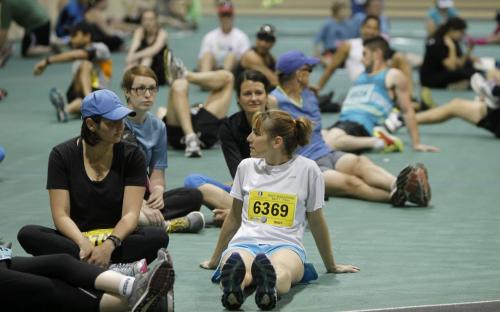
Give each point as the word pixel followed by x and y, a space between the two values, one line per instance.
pixel 232 275
pixel 264 277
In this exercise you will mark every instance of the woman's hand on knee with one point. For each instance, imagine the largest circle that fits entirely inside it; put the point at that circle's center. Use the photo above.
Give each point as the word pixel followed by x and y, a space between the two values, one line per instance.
pixel 86 248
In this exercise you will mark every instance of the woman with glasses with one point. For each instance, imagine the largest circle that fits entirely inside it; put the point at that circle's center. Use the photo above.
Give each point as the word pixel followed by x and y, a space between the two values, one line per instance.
pixel 275 194
pixel 96 184
pixel 140 85
pixel 148 45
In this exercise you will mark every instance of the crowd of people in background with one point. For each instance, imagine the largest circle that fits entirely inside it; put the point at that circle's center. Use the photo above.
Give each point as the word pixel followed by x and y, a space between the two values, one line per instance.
pixel 111 207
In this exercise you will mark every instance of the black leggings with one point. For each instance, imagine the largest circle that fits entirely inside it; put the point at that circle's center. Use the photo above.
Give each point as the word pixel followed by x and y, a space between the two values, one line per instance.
pixel 441 79
pixel 496 91
pixel 49 283
pixel 143 243
pixel 181 201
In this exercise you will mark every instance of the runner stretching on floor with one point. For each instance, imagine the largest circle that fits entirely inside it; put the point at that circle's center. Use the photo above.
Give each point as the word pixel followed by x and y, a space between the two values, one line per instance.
pixel 274 193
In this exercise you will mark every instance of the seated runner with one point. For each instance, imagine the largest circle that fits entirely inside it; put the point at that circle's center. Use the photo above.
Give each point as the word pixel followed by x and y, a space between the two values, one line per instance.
pixel 274 194
pixel 176 209
pixel 60 282
pixel 368 104
pixel 96 184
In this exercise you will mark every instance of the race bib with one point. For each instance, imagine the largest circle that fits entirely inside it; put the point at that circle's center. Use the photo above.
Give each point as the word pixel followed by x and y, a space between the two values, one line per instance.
pixel 359 94
pixel 97 237
pixel 5 253
pixel 276 209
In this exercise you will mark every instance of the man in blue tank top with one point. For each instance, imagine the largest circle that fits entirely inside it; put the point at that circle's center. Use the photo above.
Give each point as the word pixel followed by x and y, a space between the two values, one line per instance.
pixel 368 103
pixel 345 174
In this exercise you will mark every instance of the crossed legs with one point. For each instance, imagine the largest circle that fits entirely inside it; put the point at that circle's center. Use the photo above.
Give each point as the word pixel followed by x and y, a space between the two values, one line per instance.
pixel 217 103
pixel 358 177
pixel 208 63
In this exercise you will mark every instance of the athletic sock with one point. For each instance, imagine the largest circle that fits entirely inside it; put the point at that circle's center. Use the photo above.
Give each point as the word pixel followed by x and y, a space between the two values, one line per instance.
pixel 126 286
pixel 379 144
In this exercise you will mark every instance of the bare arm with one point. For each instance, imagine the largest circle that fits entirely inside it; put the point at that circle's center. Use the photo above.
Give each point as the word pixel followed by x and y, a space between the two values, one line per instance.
pixel 60 208
pixel 319 230
pixel 453 61
pixel 132 201
pixel 60 58
pixel 251 60
pixel 230 226
pixel 160 42
pixel 430 26
pixel 272 102
pixel 134 45
pixel 337 59
pixel 399 83
pixel 157 187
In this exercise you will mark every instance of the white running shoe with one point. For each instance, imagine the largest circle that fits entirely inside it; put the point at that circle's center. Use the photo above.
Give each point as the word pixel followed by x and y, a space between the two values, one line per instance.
pixel 483 87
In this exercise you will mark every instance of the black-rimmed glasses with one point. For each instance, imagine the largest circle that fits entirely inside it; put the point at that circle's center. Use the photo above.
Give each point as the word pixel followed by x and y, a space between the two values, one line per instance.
pixel 142 90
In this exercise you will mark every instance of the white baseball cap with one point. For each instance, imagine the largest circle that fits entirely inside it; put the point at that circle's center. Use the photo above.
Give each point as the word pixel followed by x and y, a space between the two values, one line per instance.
pixel 445 4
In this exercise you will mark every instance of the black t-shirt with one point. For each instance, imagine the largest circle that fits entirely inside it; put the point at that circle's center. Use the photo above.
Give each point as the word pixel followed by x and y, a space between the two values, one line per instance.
pixel 436 51
pixel 95 204
pixel 233 135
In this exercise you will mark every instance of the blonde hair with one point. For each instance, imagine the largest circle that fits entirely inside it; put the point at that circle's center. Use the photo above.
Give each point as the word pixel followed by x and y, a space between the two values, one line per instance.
pixel 295 132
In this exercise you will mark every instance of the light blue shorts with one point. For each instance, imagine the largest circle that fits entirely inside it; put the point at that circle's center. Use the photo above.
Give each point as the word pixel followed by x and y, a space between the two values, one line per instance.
pixel 310 273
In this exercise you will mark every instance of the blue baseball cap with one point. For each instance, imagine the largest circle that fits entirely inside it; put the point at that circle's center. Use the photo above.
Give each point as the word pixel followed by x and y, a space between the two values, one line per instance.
pixel 291 61
pixel 104 103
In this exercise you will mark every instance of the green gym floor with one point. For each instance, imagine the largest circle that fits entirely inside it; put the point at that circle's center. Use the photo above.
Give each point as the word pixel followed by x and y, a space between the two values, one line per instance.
pixel 446 253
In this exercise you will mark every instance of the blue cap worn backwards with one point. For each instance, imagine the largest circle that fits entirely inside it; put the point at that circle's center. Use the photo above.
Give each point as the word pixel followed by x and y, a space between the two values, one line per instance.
pixel 104 103
pixel 291 61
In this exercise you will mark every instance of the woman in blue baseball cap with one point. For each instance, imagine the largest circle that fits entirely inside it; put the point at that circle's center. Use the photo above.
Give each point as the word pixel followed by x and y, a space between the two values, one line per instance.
pixel 96 185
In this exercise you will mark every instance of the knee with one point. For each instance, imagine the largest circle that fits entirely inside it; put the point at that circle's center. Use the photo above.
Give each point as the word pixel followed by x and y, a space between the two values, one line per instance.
pixel 196 197
pixel 26 234
pixel 283 281
pixel 180 86
pixel 158 238
pixel 363 163
pixel 194 181
pixel 228 77
pixel 85 66
pixel 352 184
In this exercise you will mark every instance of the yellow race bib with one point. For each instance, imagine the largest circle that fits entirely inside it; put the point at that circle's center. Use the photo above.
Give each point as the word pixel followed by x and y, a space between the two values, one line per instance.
pixel 97 237
pixel 276 209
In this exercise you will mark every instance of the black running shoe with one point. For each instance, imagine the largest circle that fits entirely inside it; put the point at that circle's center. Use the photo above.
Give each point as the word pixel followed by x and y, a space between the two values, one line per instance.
pixel 232 275
pixel 417 189
pixel 398 195
pixel 264 278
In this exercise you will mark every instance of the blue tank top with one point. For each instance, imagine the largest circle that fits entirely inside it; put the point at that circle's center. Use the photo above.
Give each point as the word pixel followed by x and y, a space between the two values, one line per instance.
pixel 368 102
pixel 309 109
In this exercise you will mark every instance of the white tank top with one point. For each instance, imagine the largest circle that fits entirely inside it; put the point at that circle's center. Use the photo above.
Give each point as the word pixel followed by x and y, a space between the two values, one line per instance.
pixel 354 62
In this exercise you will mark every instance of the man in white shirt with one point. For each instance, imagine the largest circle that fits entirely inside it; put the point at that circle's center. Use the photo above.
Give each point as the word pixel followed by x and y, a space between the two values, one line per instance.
pixel 222 47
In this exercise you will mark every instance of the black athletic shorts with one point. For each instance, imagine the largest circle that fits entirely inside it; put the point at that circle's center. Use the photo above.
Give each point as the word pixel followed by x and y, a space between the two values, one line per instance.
pixel 491 121
pixel 351 128
pixel 37 36
pixel 72 93
pixel 204 123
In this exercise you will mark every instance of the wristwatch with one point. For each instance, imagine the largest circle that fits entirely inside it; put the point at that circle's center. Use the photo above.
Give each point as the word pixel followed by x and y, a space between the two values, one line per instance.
pixel 115 239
